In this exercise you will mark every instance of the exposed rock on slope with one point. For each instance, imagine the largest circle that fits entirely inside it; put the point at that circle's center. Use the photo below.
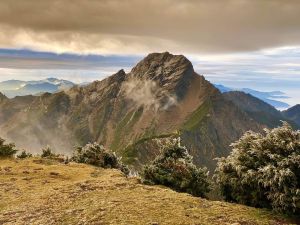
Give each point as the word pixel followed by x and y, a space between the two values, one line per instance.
pixel 162 96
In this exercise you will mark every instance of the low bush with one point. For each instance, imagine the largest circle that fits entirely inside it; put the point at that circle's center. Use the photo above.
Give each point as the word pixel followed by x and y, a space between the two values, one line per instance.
pixel 174 168
pixel 24 155
pixel 97 155
pixel 7 150
pixel 47 153
pixel 263 170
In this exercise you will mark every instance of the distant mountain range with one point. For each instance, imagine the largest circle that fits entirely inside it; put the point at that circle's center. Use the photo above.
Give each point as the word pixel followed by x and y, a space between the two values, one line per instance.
pixel 268 97
pixel 161 97
pixel 12 88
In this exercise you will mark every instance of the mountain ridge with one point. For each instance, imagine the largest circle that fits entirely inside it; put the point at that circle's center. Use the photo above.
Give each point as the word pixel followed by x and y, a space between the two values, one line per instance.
pixel 37 87
pixel 293 113
pixel 268 97
pixel 162 96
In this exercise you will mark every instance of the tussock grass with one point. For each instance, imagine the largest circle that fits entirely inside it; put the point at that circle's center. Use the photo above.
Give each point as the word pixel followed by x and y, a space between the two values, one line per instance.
pixel 44 191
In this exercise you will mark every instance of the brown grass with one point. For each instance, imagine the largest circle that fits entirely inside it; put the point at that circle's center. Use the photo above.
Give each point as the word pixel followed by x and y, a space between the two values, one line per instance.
pixel 41 191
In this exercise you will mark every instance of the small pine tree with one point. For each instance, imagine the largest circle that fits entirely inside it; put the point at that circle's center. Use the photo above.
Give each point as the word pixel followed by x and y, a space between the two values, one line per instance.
pixel 7 150
pixel 97 155
pixel 263 170
pixel 174 168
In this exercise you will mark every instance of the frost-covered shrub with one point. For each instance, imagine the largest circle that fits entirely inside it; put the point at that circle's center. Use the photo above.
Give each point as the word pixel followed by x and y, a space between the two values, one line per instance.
pixel 7 150
pixel 174 168
pixel 24 155
pixel 263 170
pixel 97 155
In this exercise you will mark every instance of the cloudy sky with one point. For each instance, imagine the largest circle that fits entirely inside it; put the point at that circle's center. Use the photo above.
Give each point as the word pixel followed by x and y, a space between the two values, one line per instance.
pixel 239 43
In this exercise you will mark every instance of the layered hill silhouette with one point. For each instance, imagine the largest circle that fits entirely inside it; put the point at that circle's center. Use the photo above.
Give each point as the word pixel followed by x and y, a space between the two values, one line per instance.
pixel 293 113
pixel 161 97
pixel 270 97
pixel 12 88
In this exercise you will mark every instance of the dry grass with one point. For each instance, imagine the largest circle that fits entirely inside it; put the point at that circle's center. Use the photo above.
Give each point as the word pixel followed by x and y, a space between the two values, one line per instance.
pixel 36 191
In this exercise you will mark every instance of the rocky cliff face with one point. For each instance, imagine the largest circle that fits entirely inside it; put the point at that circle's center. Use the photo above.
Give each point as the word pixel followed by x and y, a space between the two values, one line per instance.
pixel 162 96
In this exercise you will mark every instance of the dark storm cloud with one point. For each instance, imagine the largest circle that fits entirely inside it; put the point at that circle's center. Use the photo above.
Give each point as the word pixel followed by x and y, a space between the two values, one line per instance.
pixel 137 26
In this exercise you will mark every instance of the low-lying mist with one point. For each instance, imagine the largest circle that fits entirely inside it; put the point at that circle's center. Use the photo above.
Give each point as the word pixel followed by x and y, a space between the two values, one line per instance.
pixel 147 93
pixel 34 136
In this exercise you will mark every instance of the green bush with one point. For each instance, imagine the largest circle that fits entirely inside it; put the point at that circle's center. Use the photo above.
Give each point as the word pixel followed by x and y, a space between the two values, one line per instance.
pixel 263 170
pixel 174 168
pixel 97 155
pixel 24 155
pixel 47 153
pixel 7 150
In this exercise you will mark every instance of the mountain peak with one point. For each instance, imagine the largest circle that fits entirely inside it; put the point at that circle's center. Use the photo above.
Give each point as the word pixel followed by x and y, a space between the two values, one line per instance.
pixel 173 72
pixel 117 77
pixel 156 64
pixel 164 56
pixel 121 72
pixel 52 79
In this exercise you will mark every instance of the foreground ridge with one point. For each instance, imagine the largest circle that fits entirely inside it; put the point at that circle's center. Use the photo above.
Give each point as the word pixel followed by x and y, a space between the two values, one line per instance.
pixel 42 191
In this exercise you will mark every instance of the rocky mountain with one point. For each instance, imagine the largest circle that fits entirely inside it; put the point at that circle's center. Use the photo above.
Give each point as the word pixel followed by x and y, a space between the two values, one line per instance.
pixel 12 88
pixel 270 97
pixel 161 97
pixel 293 114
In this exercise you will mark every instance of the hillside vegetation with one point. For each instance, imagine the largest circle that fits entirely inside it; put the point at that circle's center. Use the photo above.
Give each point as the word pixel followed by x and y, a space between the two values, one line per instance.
pixel 43 191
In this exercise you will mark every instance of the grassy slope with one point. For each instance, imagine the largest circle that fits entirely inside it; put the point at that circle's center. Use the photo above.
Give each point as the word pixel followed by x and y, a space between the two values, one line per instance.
pixel 35 191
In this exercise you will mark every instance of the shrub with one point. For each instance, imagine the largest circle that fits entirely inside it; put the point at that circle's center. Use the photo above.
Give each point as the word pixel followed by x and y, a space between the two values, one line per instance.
pixel 263 170
pixel 97 155
pixel 47 153
pixel 24 155
pixel 7 150
pixel 174 168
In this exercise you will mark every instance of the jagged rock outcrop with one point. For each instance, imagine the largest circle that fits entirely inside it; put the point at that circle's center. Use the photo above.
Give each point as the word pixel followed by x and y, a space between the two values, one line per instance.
pixel 161 96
